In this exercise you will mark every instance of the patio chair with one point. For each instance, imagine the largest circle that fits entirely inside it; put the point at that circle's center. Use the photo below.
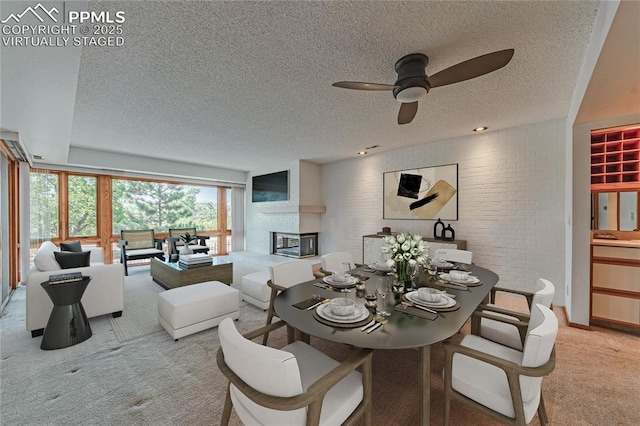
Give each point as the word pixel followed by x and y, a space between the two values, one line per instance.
pixel 295 385
pixel 139 244
pixel 175 243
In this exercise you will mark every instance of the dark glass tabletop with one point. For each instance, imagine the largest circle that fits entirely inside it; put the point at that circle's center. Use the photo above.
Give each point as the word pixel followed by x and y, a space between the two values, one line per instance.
pixel 402 330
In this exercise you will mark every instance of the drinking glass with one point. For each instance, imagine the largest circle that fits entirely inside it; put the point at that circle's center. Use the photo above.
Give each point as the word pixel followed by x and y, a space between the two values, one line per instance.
pixel 382 287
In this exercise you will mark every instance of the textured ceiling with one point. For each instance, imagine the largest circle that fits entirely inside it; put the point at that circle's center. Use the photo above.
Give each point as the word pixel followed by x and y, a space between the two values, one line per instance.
pixel 244 84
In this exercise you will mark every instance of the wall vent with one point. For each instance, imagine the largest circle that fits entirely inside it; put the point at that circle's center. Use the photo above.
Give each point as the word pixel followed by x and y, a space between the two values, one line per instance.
pixel 17 148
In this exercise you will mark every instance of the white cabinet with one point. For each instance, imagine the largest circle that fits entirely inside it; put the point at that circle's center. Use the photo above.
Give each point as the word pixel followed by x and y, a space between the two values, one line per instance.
pixel 615 285
pixel 372 247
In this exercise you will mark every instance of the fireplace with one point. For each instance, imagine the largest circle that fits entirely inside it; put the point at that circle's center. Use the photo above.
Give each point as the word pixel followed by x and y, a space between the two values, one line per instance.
pixel 294 245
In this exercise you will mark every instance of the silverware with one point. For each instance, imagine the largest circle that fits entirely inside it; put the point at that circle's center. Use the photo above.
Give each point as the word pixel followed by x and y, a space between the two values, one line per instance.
pixel 375 327
pixel 318 304
pixel 431 311
pixel 458 285
pixel 373 321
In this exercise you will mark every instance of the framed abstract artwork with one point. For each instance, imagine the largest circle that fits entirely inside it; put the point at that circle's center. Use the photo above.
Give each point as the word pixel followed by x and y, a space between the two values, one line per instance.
pixel 425 193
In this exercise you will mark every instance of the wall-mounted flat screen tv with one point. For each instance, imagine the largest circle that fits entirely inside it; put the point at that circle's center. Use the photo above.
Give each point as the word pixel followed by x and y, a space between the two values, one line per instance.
pixel 271 187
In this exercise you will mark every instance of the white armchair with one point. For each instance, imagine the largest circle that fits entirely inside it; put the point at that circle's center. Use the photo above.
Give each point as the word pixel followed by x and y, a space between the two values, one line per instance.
pixel 454 255
pixel 283 276
pixel 296 385
pixel 334 262
pixel 505 326
pixel 500 381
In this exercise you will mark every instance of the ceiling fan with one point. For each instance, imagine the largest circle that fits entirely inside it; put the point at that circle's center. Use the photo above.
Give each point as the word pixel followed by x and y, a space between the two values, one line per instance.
pixel 413 83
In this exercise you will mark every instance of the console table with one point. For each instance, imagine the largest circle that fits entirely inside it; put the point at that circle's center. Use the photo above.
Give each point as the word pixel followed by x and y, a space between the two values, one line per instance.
pixel 372 247
pixel 68 324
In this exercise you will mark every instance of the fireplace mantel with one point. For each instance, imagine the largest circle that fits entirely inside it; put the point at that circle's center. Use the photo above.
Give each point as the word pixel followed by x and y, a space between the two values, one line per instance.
pixel 291 208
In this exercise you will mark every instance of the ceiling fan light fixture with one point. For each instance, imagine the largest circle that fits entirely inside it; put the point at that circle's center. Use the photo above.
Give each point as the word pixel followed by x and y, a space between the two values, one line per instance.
pixel 411 94
pixel 480 129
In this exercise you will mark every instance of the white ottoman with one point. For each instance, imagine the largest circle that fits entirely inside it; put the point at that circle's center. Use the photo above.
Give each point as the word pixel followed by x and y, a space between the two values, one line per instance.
pixel 192 308
pixel 255 289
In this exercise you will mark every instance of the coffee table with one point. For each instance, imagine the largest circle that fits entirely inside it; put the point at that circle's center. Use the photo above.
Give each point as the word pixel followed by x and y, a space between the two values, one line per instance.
pixel 172 275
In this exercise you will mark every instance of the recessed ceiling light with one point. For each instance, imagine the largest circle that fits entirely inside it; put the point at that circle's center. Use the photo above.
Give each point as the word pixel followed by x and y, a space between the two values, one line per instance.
pixel 480 129
pixel 38 157
pixel 362 152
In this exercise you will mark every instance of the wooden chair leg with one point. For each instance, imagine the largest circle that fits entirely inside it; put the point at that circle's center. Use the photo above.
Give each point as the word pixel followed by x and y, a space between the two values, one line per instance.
pixel 226 412
pixel 270 314
pixel 542 411
pixel 367 376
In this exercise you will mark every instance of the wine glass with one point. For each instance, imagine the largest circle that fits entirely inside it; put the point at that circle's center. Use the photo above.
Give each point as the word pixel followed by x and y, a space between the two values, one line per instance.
pixel 382 287
pixel 346 268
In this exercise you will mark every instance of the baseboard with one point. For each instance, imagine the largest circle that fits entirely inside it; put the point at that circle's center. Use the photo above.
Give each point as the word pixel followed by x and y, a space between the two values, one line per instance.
pixel 574 324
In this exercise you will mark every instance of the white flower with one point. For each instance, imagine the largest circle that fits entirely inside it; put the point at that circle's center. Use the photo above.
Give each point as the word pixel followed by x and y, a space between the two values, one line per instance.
pixel 405 247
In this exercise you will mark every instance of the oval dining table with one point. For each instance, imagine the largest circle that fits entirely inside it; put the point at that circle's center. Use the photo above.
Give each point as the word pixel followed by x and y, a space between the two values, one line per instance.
pixel 402 330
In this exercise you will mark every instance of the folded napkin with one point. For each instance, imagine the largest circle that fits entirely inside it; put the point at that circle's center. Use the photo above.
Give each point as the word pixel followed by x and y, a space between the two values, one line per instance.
pixel 415 311
pixel 306 303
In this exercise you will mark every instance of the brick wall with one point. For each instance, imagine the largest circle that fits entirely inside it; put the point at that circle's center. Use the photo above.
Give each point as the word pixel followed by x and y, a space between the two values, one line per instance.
pixel 510 191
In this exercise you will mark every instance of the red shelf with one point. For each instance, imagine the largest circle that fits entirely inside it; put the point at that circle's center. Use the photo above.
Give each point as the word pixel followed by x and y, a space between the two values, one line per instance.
pixel 615 157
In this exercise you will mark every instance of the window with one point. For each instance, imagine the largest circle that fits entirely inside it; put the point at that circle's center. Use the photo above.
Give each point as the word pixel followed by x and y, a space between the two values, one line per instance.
pixel 43 197
pixel 82 206
pixel 160 206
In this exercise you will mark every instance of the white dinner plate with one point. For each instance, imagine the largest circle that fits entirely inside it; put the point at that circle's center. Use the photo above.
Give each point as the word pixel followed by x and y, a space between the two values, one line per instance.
pixel 359 314
pixel 380 267
pixel 348 281
pixel 469 280
pixel 441 264
pixel 444 302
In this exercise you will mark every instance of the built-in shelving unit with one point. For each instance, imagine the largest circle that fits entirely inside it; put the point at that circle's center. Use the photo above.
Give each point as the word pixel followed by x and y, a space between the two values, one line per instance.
pixel 615 158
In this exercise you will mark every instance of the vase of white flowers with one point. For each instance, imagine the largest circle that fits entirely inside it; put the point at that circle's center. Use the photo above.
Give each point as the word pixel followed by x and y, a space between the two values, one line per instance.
pixel 406 252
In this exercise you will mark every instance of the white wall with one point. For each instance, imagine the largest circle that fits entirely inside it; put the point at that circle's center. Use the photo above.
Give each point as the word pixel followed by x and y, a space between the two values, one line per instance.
pixel 511 200
pixel 280 216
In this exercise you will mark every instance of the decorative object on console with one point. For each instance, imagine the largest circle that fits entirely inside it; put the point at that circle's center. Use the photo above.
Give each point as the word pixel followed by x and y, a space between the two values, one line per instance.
pixel 446 233
pixel 435 192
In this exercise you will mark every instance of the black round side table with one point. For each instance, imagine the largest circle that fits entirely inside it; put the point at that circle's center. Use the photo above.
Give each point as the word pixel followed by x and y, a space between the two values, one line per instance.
pixel 68 324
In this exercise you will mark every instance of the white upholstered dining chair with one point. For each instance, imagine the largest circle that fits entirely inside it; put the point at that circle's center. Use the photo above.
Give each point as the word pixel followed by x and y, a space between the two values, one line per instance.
pixel 334 262
pixel 283 276
pixel 295 385
pixel 502 382
pixel 506 326
pixel 454 255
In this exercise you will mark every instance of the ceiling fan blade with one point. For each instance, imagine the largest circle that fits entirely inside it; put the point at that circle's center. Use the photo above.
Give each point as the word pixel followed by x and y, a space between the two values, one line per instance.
pixel 358 85
pixel 472 68
pixel 407 112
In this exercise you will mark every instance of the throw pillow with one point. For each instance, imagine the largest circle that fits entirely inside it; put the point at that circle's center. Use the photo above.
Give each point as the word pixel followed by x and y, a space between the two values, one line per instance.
pixel 73 246
pixel 44 259
pixel 68 259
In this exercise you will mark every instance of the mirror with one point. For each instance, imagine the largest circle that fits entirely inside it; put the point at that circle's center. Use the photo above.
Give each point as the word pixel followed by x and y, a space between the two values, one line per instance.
pixel 615 211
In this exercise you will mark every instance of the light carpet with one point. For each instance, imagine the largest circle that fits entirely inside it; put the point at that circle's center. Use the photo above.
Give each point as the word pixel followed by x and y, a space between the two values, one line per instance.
pixel 140 314
pixel 153 380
